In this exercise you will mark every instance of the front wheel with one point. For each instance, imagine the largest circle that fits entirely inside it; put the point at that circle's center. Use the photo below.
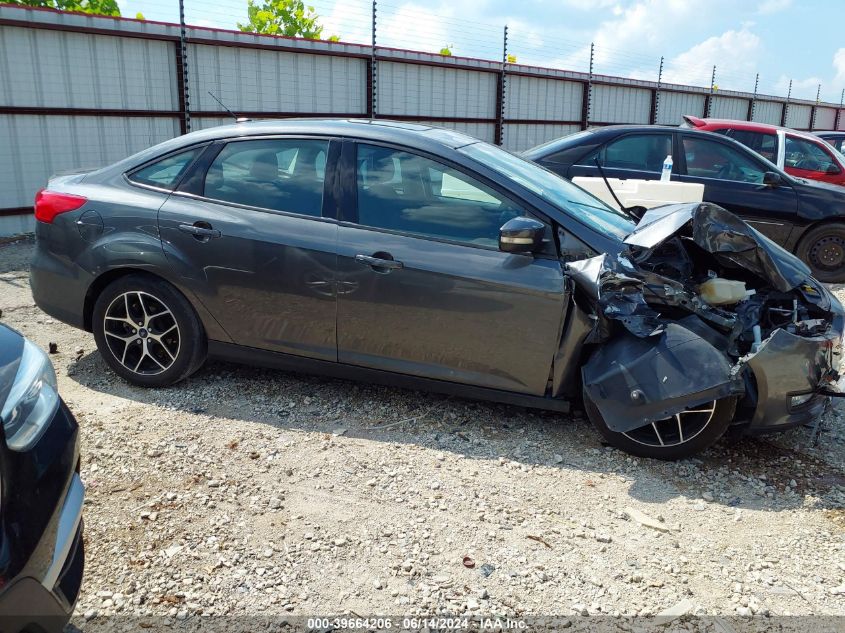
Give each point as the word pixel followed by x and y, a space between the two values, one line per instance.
pixel 148 332
pixel 822 248
pixel 680 436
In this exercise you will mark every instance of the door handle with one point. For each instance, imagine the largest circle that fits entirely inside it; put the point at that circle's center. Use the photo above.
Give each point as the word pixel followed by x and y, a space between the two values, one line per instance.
pixel 379 262
pixel 200 230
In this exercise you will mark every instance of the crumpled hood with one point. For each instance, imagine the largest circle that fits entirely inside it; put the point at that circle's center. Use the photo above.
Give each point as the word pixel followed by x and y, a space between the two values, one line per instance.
pixel 726 236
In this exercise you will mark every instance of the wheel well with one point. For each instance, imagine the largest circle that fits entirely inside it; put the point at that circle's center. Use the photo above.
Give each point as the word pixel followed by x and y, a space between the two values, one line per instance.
pixel 815 225
pixel 100 283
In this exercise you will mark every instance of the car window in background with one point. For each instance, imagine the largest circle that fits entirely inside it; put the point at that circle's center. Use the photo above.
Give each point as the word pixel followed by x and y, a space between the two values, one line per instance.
pixel 640 152
pixel 165 173
pixel 763 143
pixel 555 190
pixel 803 154
pixel 280 175
pixel 404 192
pixel 706 158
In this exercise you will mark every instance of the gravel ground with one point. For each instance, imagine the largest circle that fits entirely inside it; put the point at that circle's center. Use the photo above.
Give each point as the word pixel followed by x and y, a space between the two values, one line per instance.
pixel 245 491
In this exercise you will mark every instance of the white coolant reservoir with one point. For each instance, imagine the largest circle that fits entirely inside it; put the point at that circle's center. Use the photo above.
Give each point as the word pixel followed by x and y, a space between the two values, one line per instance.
pixel 718 291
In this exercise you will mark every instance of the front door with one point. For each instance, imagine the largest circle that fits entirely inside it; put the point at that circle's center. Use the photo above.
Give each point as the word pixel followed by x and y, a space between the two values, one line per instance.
pixel 733 179
pixel 249 238
pixel 422 287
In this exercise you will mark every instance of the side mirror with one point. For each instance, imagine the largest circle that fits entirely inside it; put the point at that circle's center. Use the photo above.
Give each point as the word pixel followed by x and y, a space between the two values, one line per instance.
pixel 521 235
pixel 832 170
pixel 772 179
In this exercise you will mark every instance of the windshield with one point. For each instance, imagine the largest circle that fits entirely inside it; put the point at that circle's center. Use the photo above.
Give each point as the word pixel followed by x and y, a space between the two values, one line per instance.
pixel 553 189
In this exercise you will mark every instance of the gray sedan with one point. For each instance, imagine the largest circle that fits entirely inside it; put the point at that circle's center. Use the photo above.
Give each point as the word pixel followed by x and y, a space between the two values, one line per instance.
pixel 421 257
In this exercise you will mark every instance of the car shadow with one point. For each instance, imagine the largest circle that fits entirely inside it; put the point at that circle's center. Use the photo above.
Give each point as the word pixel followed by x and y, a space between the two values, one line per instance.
pixel 743 473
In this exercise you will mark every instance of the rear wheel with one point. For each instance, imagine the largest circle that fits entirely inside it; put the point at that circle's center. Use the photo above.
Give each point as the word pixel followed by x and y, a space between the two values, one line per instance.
pixel 148 332
pixel 680 436
pixel 822 248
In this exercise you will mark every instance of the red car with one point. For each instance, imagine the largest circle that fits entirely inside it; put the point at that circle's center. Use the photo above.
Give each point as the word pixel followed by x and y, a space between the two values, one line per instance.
pixel 798 153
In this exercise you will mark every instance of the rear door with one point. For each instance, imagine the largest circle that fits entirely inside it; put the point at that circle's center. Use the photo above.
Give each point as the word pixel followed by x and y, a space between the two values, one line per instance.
pixel 252 234
pixel 733 179
pixel 637 155
pixel 422 287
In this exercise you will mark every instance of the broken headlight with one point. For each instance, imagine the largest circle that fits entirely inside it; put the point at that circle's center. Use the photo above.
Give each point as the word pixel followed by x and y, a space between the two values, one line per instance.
pixel 798 400
pixel 32 401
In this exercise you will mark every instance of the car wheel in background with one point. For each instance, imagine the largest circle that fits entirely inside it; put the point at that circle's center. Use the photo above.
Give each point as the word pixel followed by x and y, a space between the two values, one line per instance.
pixel 148 332
pixel 680 436
pixel 822 248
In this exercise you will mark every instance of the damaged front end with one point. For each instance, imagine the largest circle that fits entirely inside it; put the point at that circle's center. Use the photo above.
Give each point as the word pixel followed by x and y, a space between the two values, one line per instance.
pixel 700 307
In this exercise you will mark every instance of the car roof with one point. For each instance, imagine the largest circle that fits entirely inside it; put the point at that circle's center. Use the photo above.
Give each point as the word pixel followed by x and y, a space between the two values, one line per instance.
pixel 830 133
pixel 373 129
pixel 754 126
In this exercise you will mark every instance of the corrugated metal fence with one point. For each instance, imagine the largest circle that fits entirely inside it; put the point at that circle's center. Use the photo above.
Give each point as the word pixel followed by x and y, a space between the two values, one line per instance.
pixel 82 91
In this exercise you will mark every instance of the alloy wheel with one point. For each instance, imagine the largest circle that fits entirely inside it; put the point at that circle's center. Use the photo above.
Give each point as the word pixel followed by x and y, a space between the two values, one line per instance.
pixel 680 428
pixel 142 333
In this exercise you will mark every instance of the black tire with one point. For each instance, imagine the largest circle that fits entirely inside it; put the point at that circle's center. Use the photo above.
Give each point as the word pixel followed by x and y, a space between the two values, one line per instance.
pixel 822 248
pixel 139 329
pixel 711 430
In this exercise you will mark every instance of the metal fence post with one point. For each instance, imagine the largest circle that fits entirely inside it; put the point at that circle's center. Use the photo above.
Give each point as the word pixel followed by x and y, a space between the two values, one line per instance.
pixel 753 103
pixel 708 101
pixel 838 117
pixel 372 71
pixel 785 109
pixel 182 73
pixel 587 100
pixel 655 95
pixel 815 108
pixel 501 91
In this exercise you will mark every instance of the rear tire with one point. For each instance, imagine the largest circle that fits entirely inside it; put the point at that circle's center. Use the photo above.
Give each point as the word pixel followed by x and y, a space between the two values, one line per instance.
pixel 645 442
pixel 822 248
pixel 148 332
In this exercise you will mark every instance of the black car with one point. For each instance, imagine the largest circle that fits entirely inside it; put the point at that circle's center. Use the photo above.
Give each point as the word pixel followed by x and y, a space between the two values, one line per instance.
pixel 416 256
pixel 804 216
pixel 837 139
pixel 41 551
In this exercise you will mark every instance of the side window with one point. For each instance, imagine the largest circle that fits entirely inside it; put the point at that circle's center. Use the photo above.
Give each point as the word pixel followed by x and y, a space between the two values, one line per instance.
pixel 803 154
pixel 404 192
pixel 763 144
pixel 641 152
pixel 277 174
pixel 706 158
pixel 166 172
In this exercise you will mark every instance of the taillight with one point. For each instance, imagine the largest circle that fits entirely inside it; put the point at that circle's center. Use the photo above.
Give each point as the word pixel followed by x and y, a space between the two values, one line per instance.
pixel 49 204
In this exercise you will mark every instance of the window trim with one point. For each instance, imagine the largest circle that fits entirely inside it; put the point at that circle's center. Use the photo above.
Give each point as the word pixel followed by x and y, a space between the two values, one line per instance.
pixel 350 171
pixel 130 172
pixel 220 144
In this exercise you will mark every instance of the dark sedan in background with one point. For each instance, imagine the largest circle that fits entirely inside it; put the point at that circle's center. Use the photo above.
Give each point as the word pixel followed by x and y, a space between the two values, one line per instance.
pixel 417 256
pixel 805 217
pixel 41 551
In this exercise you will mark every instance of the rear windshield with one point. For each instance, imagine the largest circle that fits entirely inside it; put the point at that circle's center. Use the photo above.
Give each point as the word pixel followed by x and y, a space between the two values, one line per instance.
pixel 555 190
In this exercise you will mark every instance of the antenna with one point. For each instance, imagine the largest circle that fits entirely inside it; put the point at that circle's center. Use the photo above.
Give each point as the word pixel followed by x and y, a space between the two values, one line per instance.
pixel 222 105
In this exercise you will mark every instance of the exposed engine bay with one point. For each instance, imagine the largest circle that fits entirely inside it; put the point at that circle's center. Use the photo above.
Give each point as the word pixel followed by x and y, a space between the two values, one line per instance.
pixel 699 307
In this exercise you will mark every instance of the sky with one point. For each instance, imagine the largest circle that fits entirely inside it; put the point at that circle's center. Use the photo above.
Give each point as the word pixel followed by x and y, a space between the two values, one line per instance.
pixel 782 40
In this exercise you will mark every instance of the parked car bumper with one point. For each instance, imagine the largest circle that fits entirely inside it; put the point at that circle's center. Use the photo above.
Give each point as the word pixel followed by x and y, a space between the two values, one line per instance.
pixel 791 374
pixel 58 284
pixel 43 531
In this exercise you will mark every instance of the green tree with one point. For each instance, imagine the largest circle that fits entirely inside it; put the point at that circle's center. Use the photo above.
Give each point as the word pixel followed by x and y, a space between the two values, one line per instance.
pixel 447 50
pixel 282 17
pixel 97 7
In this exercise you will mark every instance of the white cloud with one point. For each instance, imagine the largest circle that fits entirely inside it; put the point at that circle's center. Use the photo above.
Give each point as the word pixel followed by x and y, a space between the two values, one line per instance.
pixel 839 66
pixel 734 53
pixel 773 6
pixel 801 88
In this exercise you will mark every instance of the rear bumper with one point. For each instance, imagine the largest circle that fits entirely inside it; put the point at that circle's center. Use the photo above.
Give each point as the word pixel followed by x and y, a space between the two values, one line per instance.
pixel 58 286
pixel 787 366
